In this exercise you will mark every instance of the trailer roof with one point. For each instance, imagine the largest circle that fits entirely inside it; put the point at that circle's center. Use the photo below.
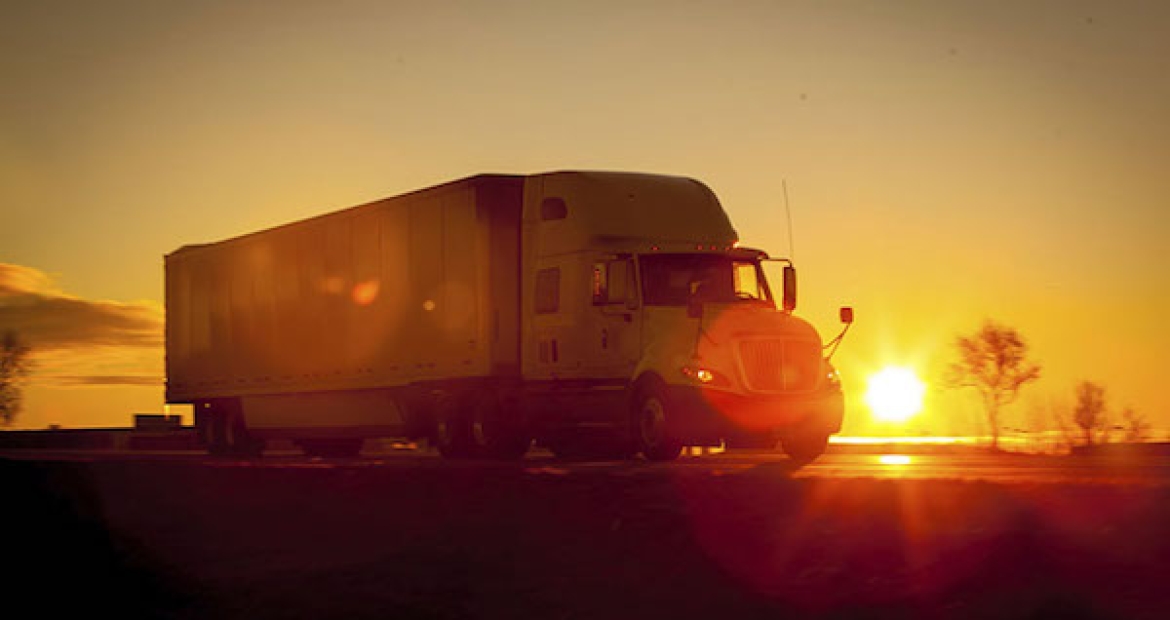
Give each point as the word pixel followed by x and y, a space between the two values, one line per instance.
pixel 478 179
pixel 613 184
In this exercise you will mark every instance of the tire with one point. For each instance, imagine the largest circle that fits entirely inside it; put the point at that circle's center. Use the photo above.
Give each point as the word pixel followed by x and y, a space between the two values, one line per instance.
pixel 804 445
pixel 341 447
pixel 650 425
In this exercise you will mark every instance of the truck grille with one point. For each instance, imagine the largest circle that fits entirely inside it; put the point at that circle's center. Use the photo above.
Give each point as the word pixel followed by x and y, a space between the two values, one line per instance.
pixel 780 365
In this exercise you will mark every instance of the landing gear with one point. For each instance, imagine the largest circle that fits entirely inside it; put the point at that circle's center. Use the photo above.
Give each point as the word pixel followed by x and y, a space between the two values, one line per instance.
pixel 479 425
pixel 452 427
pixel 225 431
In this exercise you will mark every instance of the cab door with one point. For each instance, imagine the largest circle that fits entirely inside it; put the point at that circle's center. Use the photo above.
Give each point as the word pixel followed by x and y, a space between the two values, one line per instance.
pixel 614 336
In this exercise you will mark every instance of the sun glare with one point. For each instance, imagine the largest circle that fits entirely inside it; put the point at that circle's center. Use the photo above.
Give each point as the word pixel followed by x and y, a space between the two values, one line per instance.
pixel 895 394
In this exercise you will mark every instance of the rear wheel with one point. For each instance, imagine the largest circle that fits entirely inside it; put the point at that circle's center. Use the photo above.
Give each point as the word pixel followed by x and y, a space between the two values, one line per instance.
pixel 650 421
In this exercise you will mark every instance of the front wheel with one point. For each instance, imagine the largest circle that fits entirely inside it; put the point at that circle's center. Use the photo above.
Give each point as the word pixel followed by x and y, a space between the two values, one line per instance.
pixel 651 430
pixel 803 446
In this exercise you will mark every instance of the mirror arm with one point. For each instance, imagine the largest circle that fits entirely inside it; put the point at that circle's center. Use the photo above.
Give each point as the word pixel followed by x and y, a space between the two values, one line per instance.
pixel 836 342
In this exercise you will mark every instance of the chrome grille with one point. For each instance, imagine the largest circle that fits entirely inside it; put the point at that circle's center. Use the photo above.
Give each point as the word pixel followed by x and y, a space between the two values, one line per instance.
pixel 780 365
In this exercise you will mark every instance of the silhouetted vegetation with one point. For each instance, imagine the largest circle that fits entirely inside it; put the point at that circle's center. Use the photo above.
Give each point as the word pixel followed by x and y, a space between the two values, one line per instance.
pixel 14 367
pixel 1137 427
pixel 994 361
pixel 1086 420
pixel 1089 412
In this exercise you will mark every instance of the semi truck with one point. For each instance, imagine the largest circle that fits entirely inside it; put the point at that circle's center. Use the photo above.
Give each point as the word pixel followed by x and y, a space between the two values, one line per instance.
pixel 585 311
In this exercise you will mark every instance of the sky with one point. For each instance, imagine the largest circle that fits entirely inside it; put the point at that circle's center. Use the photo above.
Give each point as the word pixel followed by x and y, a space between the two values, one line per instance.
pixel 946 162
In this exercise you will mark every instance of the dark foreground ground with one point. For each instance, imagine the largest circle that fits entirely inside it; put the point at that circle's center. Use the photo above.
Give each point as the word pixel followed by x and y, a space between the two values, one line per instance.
pixel 309 539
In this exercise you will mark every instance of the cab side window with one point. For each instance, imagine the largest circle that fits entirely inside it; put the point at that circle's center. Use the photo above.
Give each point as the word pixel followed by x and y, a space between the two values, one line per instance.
pixel 611 282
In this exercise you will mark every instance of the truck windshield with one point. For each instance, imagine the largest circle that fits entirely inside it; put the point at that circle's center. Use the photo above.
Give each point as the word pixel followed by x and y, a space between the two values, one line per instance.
pixel 674 279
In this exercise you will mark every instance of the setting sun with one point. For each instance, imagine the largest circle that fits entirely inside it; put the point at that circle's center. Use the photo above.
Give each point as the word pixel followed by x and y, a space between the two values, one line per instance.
pixel 895 394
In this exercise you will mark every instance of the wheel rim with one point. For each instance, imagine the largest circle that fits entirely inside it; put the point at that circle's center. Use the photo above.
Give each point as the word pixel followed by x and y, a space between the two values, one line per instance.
pixel 652 422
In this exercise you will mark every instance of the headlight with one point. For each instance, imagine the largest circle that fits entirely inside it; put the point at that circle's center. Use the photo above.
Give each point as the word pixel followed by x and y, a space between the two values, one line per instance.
pixel 705 376
pixel 832 377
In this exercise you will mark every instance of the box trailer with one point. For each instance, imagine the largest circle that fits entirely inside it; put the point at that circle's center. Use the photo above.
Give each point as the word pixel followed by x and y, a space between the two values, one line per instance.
pixel 588 311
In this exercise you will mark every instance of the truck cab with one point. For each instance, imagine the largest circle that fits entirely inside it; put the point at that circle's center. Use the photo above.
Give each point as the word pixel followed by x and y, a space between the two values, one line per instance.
pixel 644 317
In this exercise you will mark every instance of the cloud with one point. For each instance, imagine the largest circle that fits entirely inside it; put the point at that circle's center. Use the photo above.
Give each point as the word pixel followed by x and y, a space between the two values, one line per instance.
pixel 46 318
pixel 98 366
pixel 18 280
pixel 101 380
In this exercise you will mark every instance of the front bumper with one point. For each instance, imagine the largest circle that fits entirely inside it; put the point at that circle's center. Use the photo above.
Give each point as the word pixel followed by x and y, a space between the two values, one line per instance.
pixel 702 415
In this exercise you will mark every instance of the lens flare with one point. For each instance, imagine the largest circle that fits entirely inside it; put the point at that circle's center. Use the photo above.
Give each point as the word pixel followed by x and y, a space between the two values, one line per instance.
pixel 895 394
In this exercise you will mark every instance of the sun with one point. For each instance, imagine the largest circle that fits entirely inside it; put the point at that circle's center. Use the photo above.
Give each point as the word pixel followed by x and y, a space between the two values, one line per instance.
pixel 895 394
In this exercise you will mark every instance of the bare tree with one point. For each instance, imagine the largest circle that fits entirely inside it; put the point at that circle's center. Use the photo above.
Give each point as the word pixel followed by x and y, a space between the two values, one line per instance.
pixel 1137 427
pixel 14 366
pixel 1089 413
pixel 994 361
pixel 1059 414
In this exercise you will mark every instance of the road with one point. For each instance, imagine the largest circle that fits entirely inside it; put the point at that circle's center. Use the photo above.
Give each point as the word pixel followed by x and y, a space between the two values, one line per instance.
pixel 745 535
pixel 962 464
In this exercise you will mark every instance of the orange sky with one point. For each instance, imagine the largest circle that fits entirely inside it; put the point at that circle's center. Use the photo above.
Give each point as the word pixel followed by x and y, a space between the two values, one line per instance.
pixel 946 164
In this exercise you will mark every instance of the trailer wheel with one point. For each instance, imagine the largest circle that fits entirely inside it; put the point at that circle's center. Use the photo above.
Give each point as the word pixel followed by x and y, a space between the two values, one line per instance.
pixel 651 431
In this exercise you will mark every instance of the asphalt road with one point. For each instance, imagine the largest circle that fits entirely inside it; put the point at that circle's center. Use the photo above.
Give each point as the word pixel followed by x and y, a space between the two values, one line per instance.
pixel 962 464
pixel 399 534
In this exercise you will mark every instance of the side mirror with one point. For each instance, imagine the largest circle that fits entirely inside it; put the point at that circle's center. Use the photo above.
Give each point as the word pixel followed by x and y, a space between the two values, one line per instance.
pixel 847 315
pixel 789 288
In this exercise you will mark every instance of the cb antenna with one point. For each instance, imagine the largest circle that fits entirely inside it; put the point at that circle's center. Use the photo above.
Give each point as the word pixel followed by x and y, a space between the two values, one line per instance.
pixel 788 210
